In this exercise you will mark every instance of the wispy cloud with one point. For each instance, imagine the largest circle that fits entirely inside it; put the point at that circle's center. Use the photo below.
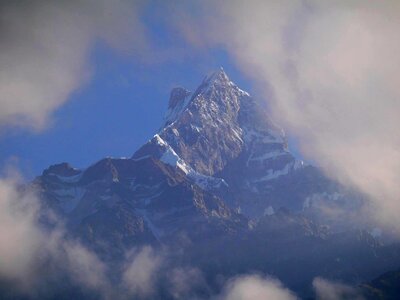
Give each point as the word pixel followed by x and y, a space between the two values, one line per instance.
pixel 31 253
pixel 140 272
pixel 45 49
pixel 184 282
pixel 37 258
pixel 330 290
pixel 20 240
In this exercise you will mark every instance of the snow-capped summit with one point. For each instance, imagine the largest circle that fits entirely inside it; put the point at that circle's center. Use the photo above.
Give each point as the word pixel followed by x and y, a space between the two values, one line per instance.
pixel 220 128
pixel 218 76
pixel 218 79
pixel 211 127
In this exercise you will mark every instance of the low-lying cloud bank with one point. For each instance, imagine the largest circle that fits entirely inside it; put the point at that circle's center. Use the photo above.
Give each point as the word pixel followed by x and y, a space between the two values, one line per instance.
pixel 35 251
pixel 38 259
pixel 332 74
pixel 31 254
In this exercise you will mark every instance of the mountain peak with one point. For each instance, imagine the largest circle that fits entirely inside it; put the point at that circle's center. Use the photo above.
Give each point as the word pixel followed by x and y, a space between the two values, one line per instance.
pixel 211 127
pixel 218 76
pixel 220 80
pixel 181 97
pixel 61 169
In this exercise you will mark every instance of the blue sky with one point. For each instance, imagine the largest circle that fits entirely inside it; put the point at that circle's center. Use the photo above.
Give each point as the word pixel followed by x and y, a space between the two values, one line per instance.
pixel 113 114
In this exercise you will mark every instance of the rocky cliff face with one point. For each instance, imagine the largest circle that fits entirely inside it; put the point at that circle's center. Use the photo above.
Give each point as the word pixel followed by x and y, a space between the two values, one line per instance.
pixel 220 131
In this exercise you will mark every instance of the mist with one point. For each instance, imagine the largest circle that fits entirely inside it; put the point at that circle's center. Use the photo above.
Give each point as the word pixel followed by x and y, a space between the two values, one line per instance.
pixel 330 73
pixel 330 290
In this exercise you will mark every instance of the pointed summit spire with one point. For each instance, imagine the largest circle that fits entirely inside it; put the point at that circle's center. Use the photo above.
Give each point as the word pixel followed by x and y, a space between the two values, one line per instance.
pixel 218 75
pixel 221 71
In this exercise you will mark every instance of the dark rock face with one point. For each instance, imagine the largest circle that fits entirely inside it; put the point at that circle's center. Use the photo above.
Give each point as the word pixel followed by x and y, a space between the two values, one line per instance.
pixel 63 169
pixel 386 286
pixel 218 175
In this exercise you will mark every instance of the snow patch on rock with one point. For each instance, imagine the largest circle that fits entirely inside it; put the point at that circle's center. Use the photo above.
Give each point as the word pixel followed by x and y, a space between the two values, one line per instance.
pixel 269 211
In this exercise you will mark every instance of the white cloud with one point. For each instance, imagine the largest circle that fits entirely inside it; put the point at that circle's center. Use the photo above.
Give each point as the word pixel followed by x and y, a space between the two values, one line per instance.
pixel 20 239
pixel 251 287
pixel 38 258
pixel 328 290
pixel 45 51
pixel 140 272
pixel 85 267
pixel 29 252
pixel 31 256
pixel 333 70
